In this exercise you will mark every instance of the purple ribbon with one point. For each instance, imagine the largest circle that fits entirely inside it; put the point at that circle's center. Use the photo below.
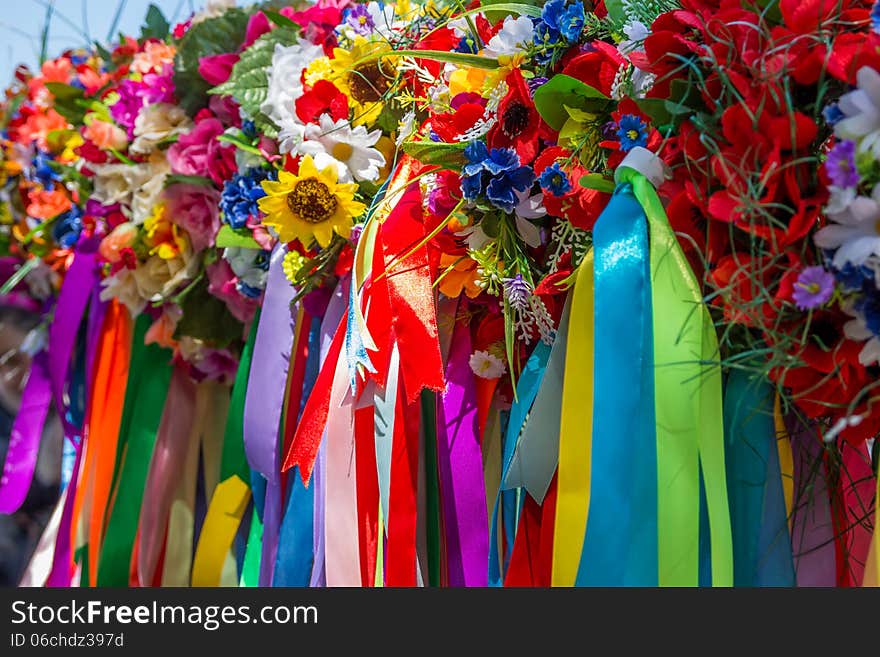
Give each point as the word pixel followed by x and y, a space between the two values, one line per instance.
pixel 24 442
pixel 264 401
pixel 460 460
pixel 812 527
pixel 79 283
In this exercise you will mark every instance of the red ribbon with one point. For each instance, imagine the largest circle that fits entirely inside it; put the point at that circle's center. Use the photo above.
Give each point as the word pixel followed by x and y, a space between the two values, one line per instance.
pixel 411 296
pixel 368 491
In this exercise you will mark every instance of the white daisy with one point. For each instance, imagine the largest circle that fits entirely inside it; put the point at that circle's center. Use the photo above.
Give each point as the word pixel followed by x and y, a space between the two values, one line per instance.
pixel 512 38
pixel 855 232
pixel 485 365
pixel 861 109
pixel 857 329
pixel 351 149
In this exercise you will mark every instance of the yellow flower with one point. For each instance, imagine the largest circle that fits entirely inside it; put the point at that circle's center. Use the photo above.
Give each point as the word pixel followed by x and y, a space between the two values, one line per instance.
pixel 319 69
pixel 310 205
pixel 364 82
pixel 164 238
pixel 291 264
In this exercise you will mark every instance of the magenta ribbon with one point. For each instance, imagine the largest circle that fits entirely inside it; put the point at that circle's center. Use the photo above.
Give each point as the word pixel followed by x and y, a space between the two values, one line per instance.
pixel 460 460
pixel 24 441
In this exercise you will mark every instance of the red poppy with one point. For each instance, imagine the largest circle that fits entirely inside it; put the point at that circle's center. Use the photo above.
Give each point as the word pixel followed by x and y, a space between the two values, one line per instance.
pixel 450 126
pixel 519 123
pixel 322 98
pixel 598 67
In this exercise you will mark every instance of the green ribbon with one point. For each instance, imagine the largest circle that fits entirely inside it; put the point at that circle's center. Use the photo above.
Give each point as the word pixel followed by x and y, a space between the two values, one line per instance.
pixel 432 491
pixel 688 405
pixel 250 569
pixel 234 461
pixel 149 377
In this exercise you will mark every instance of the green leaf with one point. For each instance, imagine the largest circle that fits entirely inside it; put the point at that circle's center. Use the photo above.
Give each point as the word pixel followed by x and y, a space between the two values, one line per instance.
pixel 552 98
pixel 598 182
pixel 501 9
pixel 616 12
pixel 207 318
pixel 446 156
pixel 156 26
pixel 214 36
pixel 280 20
pixel 656 108
pixel 461 59
pixel 180 179
pixel 69 101
pixel 243 238
pixel 249 82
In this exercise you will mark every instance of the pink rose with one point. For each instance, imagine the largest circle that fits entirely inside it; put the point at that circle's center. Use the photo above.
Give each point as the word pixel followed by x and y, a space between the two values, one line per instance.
pixel 195 209
pixel 226 109
pixel 221 283
pixel 198 153
pixel 216 69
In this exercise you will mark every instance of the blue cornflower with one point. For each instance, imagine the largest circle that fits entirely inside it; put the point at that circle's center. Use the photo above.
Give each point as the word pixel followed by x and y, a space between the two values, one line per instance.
pixel 43 171
pixel 869 306
pixel 67 228
pixel 832 113
pixel 466 45
pixel 632 132
pixel 854 277
pixel 238 202
pixel 246 290
pixel 555 180
pixel 571 21
pixel 497 174
pixel 875 17
pixel 249 128
pixel 550 16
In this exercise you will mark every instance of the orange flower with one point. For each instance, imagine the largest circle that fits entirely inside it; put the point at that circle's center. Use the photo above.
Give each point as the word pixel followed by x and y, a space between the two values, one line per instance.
pixel 154 56
pixel 161 332
pixel 105 135
pixel 57 70
pixel 123 236
pixel 462 277
pixel 45 204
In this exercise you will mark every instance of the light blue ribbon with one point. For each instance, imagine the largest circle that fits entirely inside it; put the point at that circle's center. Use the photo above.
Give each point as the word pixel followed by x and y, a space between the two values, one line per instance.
pixel 620 541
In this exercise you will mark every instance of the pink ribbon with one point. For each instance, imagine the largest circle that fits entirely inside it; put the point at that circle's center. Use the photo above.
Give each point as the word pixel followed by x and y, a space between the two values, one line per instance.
pixel 460 460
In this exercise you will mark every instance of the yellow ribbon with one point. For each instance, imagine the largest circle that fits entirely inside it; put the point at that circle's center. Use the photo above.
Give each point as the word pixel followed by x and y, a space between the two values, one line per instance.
pixel 221 523
pixel 575 433
pixel 786 459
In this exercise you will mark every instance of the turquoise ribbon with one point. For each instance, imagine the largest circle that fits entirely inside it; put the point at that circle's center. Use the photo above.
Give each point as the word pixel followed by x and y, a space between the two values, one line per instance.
pixel 762 553
pixel 526 391
pixel 620 541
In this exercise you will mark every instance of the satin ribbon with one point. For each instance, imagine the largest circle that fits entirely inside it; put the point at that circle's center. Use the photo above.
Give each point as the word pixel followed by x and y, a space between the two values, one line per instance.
pixel 761 543
pixel 295 555
pixel 73 299
pixel 812 536
pixel 432 488
pixel 460 464
pixel 39 567
pixel 149 385
pixel 527 387
pixel 687 385
pixel 179 429
pixel 857 495
pixel 536 454
pixel 620 542
pixel 367 492
pixel 872 567
pixel 214 543
pixel 118 354
pixel 575 432
pixel 24 439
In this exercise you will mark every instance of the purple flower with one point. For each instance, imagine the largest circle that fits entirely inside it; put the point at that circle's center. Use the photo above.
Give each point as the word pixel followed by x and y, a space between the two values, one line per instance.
pixel 517 290
pixel 841 165
pixel 360 21
pixel 813 288
pixel 125 110
pixel 159 88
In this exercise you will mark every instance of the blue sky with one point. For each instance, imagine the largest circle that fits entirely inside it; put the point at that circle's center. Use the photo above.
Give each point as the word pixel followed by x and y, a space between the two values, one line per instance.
pixel 21 28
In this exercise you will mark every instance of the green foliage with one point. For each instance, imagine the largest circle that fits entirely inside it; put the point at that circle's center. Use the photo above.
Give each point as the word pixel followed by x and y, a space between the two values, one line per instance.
pixel 249 82
pixel 177 178
pixel 214 36
pixel 562 91
pixel 206 318
pixel 155 25
pixel 446 156
pixel 243 238
pixel 69 101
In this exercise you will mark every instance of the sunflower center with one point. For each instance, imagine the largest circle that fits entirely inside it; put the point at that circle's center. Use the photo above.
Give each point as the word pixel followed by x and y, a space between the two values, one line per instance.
pixel 342 151
pixel 367 83
pixel 312 201
pixel 515 119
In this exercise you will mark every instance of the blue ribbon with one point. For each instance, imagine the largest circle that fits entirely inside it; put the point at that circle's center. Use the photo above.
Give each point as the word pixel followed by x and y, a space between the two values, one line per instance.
pixel 526 391
pixel 295 556
pixel 762 554
pixel 620 541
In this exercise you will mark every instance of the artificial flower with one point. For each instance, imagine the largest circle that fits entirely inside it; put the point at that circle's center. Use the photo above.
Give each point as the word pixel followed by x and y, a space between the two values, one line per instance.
pixel 310 205
pixel 813 288
pixel 195 208
pixel 486 365
pixel 351 149
pixel 157 123
pixel 285 79
pixel 366 84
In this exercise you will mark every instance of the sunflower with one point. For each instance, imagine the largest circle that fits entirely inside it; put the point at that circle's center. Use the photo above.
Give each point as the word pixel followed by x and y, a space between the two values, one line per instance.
pixel 311 204
pixel 364 82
